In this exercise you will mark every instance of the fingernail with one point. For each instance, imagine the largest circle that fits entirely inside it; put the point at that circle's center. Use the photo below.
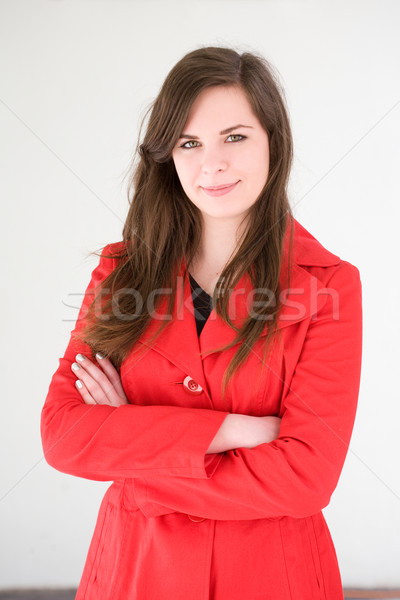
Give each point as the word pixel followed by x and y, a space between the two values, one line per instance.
pixel 80 357
pixel 99 356
pixel 78 384
pixel 75 366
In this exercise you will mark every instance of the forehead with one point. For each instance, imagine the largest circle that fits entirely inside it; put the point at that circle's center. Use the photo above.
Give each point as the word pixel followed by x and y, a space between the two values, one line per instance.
pixel 219 106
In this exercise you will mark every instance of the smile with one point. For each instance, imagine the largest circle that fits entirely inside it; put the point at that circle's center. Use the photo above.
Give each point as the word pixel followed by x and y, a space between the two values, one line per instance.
pixel 219 190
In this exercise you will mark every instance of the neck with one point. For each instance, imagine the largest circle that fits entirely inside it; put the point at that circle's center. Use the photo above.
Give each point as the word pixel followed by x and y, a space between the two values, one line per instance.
pixel 219 241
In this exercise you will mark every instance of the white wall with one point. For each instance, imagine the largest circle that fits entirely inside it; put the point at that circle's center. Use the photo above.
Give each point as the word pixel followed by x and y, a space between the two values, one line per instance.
pixel 76 78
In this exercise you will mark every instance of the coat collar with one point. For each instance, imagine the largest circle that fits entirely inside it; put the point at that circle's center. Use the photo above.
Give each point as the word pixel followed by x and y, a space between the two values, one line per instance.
pixel 308 251
pixel 179 342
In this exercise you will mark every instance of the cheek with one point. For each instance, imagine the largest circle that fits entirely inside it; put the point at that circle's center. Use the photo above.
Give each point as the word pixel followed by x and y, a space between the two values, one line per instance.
pixel 256 168
pixel 185 170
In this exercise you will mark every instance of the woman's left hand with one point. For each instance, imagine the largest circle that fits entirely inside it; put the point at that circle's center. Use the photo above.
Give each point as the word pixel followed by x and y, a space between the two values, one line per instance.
pixel 98 386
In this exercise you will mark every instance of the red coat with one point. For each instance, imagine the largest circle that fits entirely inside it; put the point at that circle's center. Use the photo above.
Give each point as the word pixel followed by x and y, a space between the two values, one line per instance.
pixel 240 525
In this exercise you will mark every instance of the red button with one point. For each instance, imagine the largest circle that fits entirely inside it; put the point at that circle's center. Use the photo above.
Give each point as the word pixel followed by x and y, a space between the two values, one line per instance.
pixel 196 519
pixel 192 386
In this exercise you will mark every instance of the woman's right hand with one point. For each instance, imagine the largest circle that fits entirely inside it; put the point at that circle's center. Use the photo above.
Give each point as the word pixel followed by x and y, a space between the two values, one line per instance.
pixel 244 431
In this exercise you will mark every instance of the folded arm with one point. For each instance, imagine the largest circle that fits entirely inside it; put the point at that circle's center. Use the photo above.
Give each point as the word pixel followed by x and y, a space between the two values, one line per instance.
pixel 181 459
pixel 89 429
pixel 295 474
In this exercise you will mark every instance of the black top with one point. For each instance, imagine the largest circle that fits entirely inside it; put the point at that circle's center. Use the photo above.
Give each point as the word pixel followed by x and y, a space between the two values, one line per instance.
pixel 202 303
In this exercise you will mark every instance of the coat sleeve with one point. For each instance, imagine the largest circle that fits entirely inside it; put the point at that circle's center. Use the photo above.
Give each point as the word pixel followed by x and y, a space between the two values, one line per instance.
pixel 295 474
pixel 105 443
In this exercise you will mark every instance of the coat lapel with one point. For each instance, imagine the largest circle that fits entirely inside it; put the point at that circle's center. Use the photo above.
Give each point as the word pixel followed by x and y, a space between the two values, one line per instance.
pixel 302 298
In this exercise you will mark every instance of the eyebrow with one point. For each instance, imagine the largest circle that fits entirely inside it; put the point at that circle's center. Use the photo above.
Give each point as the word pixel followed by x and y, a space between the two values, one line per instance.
pixel 223 132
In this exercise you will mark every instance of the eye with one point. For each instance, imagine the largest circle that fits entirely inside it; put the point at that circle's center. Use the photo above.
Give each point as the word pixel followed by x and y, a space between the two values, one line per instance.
pixel 235 137
pixel 190 144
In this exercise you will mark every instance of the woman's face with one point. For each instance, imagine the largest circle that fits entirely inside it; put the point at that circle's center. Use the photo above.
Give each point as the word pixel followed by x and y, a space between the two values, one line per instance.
pixel 222 155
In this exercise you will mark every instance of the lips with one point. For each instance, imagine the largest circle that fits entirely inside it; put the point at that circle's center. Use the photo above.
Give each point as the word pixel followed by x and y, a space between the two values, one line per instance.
pixel 219 190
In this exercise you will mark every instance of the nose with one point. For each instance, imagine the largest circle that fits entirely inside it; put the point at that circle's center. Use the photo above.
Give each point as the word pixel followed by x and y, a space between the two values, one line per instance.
pixel 213 161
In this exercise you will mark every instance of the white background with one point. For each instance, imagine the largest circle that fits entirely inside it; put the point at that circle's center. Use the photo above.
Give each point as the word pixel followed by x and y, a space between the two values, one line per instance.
pixel 76 78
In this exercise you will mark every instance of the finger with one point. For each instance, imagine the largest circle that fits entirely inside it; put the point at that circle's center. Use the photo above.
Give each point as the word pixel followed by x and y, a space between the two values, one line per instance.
pixel 97 382
pixel 93 387
pixel 112 373
pixel 87 398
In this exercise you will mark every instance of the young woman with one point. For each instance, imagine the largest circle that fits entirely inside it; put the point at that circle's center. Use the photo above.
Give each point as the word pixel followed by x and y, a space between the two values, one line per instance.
pixel 214 369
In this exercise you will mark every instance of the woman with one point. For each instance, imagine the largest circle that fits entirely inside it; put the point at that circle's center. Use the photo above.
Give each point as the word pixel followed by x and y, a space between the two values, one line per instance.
pixel 214 369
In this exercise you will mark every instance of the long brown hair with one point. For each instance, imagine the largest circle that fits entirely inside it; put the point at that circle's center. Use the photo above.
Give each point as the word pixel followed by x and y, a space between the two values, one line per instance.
pixel 163 225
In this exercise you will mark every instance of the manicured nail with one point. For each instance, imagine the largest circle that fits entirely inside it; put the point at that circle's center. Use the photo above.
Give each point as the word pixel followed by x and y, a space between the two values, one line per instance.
pixel 80 357
pixel 75 366
pixel 78 384
pixel 99 356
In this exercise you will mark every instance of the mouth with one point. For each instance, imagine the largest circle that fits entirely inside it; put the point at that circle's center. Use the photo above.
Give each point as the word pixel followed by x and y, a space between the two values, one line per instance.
pixel 219 190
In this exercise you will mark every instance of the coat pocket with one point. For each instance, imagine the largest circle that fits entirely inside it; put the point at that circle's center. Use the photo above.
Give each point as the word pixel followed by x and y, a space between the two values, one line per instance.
pixel 325 559
pixel 97 576
pixel 107 550
pixel 95 552
pixel 302 560
pixel 315 557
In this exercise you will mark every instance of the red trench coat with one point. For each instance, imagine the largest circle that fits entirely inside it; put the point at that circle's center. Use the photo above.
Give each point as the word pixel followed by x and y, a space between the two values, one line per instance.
pixel 244 524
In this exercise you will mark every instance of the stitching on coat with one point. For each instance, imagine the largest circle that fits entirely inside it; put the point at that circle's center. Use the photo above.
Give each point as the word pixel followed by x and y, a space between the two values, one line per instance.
pixel 320 575
pixel 117 579
pixel 208 559
pixel 284 559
